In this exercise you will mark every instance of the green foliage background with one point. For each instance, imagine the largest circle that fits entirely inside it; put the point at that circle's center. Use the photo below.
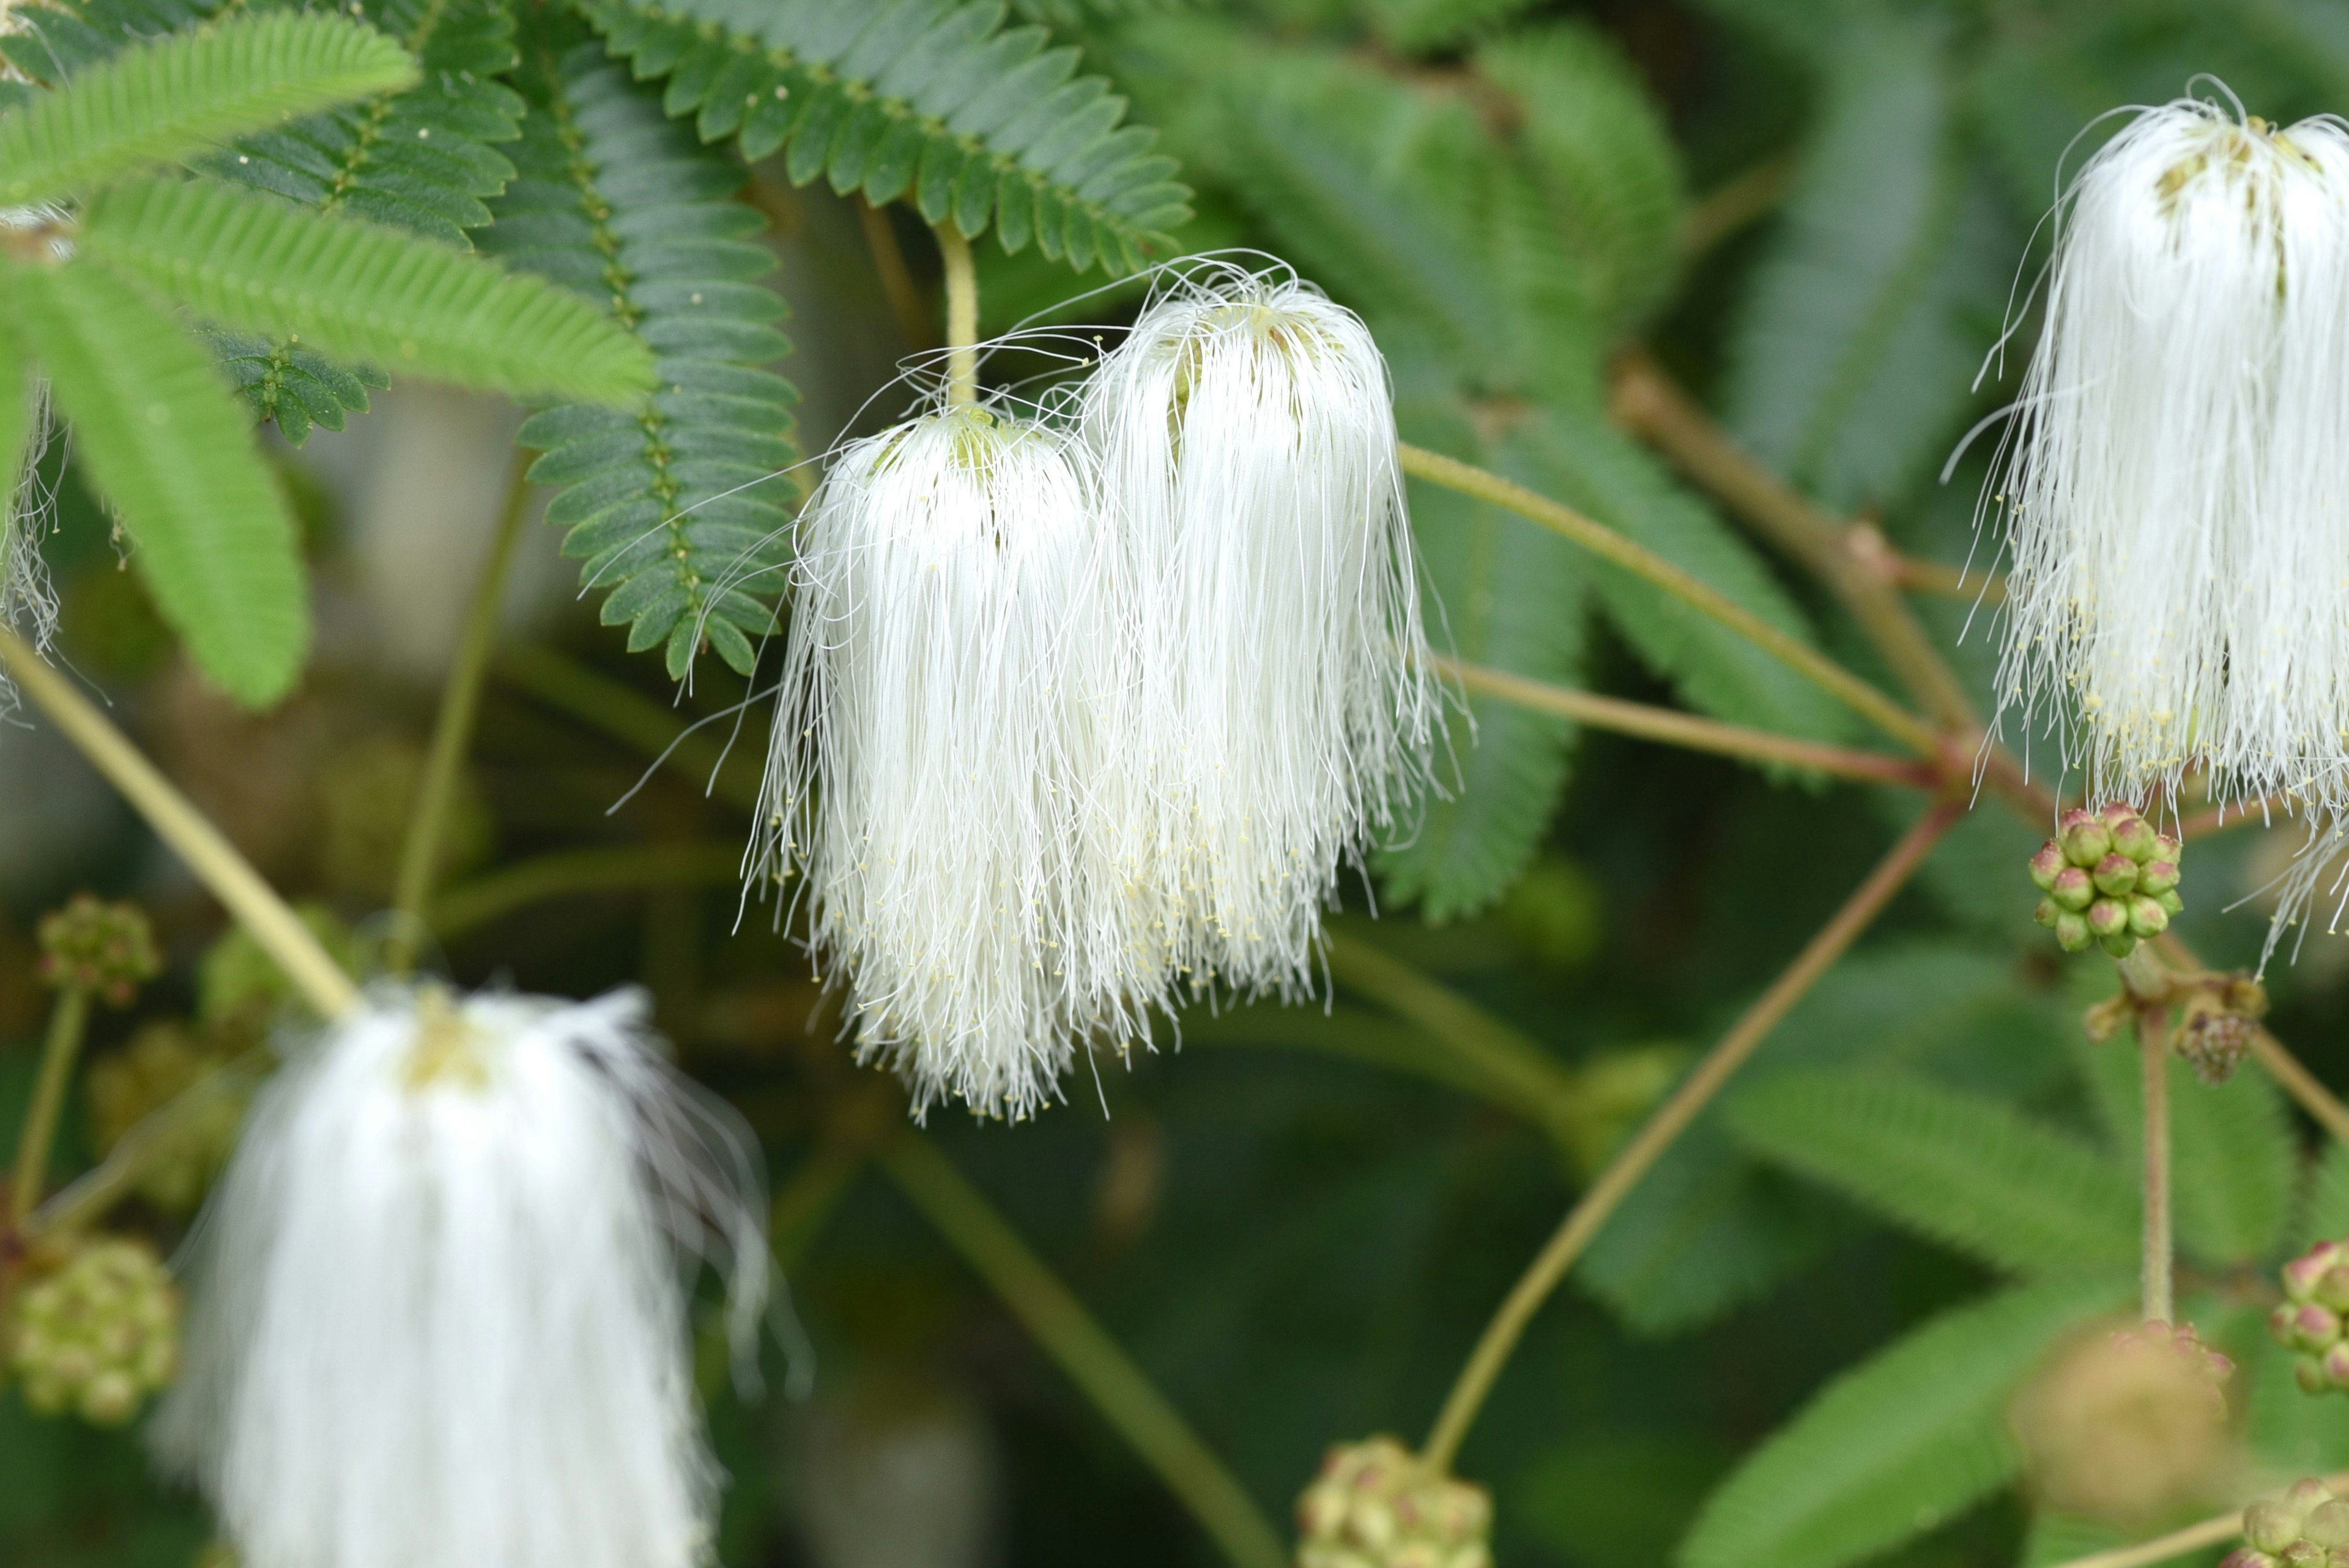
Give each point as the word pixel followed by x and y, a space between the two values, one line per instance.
pixel 1794 1345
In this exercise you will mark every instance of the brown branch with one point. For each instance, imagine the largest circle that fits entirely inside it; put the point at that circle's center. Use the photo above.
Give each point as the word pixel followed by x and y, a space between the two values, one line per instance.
pixel 1687 730
pixel 1583 1221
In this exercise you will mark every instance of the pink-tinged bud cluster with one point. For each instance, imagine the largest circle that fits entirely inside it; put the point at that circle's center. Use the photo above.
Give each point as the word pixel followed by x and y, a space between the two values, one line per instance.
pixel 2303 1526
pixel 1374 1505
pixel 101 950
pixel 2183 1345
pixel 2109 879
pixel 2217 1025
pixel 2309 1321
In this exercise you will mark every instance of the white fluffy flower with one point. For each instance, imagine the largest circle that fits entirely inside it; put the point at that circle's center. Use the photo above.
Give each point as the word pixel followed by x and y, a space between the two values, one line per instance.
pixel 2177 482
pixel 438 1316
pixel 952 664
pixel 1281 710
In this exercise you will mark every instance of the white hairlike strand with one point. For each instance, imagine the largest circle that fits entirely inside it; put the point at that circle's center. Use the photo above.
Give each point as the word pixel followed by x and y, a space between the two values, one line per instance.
pixel 940 751
pixel 2176 484
pixel 439 1316
pixel 1283 709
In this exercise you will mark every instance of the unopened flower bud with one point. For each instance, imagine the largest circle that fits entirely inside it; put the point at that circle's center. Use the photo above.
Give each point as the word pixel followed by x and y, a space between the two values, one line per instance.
pixel 2146 917
pixel 2107 1019
pixel 2115 874
pixel 2304 1496
pixel 2327 1525
pixel 2308 1373
pixel 1374 1505
pixel 2171 904
pixel 2046 864
pixel 2072 819
pixel 2072 932
pixel 2157 877
pixel 2167 848
pixel 2045 913
pixel 2335 1362
pixel 2301 1275
pixel 2108 916
pixel 2087 843
pixel 2120 946
pixel 2314 1328
pixel 2271 1524
pixel 105 950
pixel 2247 1557
pixel 2135 839
pixel 2303 1553
pixel 2073 889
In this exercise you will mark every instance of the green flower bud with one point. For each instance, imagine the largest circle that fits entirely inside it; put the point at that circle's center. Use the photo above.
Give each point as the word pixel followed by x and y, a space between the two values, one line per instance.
pixel 2247 1557
pixel 2119 947
pixel 2073 889
pixel 2115 873
pixel 2108 916
pixel 2327 1525
pixel 2171 904
pixel 2308 1373
pixel 107 950
pixel 2135 837
pixel 2046 911
pixel 2146 917
pixel 2332 1290
pixel 2270 1524
pixel 2085 842
pixel 2301 1275
pixel 2167 848
pixel 2046 864
pixel 2158 877
pixel 2072 933
pixel 99 1333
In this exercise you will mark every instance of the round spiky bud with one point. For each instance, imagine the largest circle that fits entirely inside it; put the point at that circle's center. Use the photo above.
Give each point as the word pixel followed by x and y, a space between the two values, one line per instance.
pixel 2046 865
pixel 2115 874
pixel 2073 889
pixel 2213 1036
pixel 98 1335
pixel 102 950
pixel 1374 1505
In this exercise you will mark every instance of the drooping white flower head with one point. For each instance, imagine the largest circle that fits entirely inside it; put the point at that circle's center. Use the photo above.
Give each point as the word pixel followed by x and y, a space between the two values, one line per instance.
pixel 439 1315
pixel 952 660
pixel 2175 482
pixel 1282 710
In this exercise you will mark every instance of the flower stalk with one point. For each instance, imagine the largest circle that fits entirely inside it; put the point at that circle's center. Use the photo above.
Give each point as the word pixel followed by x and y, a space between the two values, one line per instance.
pixel 1583 1221
pixel 68 1024
pixel 962 316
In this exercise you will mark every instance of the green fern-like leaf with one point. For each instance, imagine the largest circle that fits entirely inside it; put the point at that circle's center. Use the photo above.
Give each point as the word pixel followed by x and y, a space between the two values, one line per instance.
pixel 172 99
pixel 674 512
pixel 156 427
pixel 362 291
pixel 425 160
pixel 930 101
pixel 1960 1169
pixel 1419 26
pixel 1602 157
pixel 1852 359
pixel 1898 1445
pixel 2325 1211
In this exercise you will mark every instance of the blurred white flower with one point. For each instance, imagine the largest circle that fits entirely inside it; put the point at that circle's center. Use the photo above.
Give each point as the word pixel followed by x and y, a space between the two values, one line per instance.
pixel 952 667
pixel 1281 710
pixel 2175 482
pixel 439 1315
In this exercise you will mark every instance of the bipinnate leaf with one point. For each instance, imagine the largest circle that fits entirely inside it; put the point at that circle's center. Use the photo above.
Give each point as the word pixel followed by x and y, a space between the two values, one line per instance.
pixel 1897 1446
pixel 171 448
pixel 1961 1168
pixel 363 291
pixel 171 99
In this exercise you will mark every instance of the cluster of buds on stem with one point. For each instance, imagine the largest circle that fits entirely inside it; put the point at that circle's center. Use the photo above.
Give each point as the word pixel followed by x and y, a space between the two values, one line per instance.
pixel 98 1335
pixel 2316 1295
pixel 1374 1505
pixel 2217 1022
pixel 101 950
pixel 167 1065
pixel 2109 879
pixel 2303 1526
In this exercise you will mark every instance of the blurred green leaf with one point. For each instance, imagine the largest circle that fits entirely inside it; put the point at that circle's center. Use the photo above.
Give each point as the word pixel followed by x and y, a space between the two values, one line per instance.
pixel 1963 1169
pixel 1900 1444
pixel 172 450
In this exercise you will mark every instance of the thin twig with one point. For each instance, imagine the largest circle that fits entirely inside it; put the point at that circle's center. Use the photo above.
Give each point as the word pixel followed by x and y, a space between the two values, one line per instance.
pixel 962 315
pixel 1086 1353
pixel 233 880
pixel 1583 1221
pixel 1852 562
pixel 2154 1263
pixel 2306 1089
pixel 631 718
pixel 634 865
pixel 2179 1542
pixel 452 729
pixel 1944 581
pixel 1608 544
pixel 1532 1080
pixel 1734 202
pixel 1687 730
pixel 68 1021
